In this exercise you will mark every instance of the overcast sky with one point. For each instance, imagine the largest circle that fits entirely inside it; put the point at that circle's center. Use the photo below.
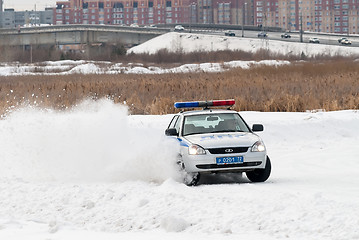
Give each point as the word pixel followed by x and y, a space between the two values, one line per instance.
pixel 20 5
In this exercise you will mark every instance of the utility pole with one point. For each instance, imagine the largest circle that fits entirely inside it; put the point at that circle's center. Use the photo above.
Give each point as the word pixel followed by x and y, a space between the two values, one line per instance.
pixel 301 27
pixel 30 53
pixel 193 6
pixel 1 3
pixel 190 18
pixel 35 14
pixel 237 12
pixel 243 17
pixel 348 27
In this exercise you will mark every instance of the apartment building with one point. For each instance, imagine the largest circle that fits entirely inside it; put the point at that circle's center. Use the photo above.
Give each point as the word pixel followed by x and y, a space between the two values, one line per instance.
pixel 331 16
pixel 147 12
pixel 141 12
pixel 13 19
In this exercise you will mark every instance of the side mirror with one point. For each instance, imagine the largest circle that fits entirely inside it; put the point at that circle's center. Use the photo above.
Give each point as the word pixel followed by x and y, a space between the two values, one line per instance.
pixel 171 132
pixel 257 128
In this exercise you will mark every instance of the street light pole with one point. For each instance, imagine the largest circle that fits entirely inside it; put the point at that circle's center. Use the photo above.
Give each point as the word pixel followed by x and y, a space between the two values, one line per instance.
pixel 243 17
pixel 301 28
pixel 192 5
pixel 237 12
pixel 35 14
pixel 190 18
pixel 348 27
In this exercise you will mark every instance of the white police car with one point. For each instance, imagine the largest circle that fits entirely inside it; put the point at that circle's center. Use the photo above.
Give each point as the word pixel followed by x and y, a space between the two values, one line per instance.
pixel 218 141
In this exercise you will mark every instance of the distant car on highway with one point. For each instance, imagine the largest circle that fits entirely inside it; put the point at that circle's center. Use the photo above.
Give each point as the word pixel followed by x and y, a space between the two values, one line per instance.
pixel 262 34
pixel 346 42
pixel 341 39
pixel 229 33
pixel 179 28
pixel 285 35
pixel 314 40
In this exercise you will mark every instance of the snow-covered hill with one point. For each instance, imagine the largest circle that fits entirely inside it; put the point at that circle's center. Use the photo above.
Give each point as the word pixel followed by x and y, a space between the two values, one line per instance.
pixel 190 42
pixel 97 173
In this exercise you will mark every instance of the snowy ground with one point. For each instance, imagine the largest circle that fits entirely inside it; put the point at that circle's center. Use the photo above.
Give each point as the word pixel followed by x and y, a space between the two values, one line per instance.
pixel 92 67
pixel 97 173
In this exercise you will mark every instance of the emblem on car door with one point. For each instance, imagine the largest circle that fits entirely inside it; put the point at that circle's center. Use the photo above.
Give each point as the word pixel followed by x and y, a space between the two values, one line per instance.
pixel 228 150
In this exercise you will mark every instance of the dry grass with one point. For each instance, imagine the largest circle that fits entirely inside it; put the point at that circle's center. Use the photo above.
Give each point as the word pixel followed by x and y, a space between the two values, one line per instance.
pixel 297 87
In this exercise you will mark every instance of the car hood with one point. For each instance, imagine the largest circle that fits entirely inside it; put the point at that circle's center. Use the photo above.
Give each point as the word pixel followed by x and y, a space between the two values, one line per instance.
pixel 221 140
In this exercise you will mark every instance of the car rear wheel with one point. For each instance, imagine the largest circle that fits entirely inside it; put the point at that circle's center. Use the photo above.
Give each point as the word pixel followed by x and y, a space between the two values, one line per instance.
pixel 260 175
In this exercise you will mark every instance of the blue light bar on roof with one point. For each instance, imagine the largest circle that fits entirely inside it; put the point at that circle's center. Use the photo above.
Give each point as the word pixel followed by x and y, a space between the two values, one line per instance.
pixel 215 103
pixel 186 104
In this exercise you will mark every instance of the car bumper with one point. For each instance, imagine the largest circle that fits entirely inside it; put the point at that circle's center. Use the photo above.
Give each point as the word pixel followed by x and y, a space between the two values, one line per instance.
pixel 207 162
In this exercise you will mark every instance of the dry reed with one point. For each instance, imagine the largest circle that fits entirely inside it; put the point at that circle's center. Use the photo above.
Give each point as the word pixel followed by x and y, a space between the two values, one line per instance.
pixel 332 85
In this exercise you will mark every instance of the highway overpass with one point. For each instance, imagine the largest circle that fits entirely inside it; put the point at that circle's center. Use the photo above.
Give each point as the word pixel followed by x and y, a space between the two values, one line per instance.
pixel 57 35
pixel 78 34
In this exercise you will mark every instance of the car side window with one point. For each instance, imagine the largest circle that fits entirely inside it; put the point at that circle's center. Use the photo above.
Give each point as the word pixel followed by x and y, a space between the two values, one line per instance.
pixel 178 124
pixel 173 122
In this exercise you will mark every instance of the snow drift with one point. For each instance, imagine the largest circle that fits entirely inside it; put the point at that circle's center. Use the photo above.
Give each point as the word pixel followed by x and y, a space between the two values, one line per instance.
pixel 92 67
pixel 93 142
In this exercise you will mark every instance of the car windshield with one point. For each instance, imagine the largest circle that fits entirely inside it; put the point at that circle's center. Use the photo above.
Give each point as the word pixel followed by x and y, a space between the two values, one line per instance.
pixel 213 123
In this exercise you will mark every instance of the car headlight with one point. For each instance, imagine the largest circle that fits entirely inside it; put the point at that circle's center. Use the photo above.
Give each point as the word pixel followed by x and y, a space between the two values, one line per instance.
pixel 258 147
pixel 196 150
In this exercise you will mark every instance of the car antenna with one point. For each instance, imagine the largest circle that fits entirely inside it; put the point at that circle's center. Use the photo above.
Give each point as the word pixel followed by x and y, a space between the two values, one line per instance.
pixel 206 106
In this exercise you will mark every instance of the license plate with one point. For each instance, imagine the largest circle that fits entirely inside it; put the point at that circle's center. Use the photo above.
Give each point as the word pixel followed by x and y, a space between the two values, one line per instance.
pixel 229 160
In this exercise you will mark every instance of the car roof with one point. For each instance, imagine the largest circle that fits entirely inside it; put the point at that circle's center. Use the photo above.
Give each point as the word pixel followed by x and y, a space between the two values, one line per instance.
pixel 206 111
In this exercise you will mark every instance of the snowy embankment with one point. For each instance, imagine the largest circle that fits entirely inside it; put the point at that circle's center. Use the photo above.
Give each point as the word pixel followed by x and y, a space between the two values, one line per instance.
pixel 190 42
pixel 92 67
pixel 97 173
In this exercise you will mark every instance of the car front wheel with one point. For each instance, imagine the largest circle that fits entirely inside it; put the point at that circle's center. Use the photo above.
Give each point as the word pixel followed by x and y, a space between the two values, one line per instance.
pixel 191 179
pixel 260 175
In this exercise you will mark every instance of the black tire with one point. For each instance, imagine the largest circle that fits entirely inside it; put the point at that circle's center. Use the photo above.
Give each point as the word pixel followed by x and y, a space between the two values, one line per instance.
pixel 191 179
pixel 260 175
